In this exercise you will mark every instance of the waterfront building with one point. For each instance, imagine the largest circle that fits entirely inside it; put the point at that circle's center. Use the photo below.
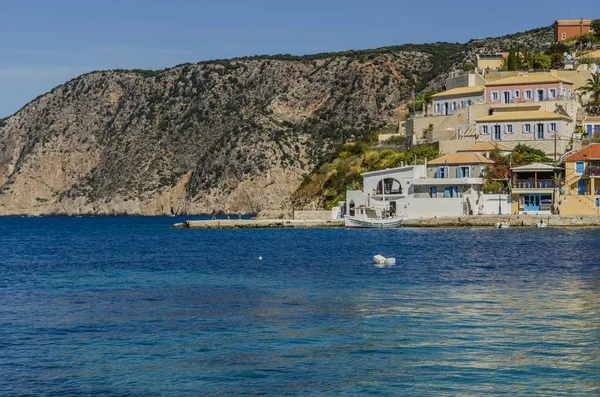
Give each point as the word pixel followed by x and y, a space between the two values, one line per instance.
pixel 581 190
pixel 533 188
pixel 450 185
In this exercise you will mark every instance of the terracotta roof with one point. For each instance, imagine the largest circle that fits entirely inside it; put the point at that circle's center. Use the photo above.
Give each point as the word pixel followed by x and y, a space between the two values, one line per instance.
pixel 591 119
pixel 485 147
pixel 590 152
pixel 461 158
pixel 522 116
pixel 530 78
pixel 460 91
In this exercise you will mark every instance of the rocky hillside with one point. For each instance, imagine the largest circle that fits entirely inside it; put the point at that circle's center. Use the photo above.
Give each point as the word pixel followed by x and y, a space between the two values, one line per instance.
pixel 235 135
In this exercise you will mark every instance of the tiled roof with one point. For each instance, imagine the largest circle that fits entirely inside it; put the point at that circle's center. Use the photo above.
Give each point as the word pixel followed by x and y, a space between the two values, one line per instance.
pixel 590 152
pixel 591 119
pixel 530 78
pixel 460 91
pixel 485 147
pixel 522 116
pixel 535 167
pixel 461 158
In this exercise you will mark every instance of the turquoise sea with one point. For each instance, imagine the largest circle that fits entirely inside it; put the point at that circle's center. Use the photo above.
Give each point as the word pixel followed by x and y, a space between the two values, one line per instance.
pixel 130 307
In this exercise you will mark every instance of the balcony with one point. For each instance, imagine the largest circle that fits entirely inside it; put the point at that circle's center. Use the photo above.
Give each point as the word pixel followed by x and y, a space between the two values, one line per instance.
pixel 533 186
pixel 593 171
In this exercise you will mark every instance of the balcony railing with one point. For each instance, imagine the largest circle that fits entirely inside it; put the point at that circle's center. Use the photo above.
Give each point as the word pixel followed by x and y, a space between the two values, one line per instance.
pixel 532 184
pixel 592 171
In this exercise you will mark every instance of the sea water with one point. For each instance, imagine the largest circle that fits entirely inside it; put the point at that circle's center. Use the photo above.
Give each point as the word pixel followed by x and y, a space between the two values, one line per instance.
pixel 129 306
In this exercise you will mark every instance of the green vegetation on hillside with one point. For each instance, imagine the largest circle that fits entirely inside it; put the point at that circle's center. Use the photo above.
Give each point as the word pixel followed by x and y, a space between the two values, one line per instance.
pixel 330 180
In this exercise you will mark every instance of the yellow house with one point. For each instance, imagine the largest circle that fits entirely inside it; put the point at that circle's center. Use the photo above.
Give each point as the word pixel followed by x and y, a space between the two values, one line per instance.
pixel 581 191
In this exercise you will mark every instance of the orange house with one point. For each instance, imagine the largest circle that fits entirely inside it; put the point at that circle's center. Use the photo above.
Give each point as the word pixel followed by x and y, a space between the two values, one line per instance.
pixel 567 28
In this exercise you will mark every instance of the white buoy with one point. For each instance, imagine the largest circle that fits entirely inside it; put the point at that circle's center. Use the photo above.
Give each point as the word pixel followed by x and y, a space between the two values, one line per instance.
pixel 260 258
pixel 379 259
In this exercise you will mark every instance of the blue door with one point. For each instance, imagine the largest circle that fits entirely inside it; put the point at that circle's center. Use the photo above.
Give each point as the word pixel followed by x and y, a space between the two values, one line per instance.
pixel 598 202
pixel 532 202
pixel 579 167
pixel 581 186
pixel 589 129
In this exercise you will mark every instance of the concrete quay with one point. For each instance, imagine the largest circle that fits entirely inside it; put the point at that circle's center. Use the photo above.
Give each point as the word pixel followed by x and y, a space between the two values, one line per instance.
pixel 512 220
pixel 258 224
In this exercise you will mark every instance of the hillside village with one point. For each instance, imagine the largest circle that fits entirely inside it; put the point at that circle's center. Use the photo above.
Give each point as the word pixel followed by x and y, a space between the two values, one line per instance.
pixel 517 132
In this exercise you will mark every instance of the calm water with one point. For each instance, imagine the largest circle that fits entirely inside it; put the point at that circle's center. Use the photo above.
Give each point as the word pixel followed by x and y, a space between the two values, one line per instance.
pixel 127 306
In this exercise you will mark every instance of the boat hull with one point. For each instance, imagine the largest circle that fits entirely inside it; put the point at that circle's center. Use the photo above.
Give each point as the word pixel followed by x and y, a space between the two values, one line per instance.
pixel 373 223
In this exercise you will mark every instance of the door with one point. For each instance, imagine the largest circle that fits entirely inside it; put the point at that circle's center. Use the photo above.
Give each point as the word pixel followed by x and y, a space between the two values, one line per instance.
pixel 532 202
pixel 581 187
pixel 539 131
pixel 447 192
pixel 506 97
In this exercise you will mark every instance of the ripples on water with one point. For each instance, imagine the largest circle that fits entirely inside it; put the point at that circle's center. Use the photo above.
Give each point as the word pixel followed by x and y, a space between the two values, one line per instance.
pixel 127 306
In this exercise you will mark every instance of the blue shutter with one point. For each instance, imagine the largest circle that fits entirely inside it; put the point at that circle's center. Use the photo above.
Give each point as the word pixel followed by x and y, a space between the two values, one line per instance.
pixel 579 167
pixel 438 172
pixel 466 174
pixel 434 192
pixel 447 192
pixel 458 172
pixel 589 129
pixel 597 128
pixel 454 191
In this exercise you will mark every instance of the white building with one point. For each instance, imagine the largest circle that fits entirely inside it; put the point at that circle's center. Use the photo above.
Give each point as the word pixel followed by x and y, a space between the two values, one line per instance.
pixel 448 186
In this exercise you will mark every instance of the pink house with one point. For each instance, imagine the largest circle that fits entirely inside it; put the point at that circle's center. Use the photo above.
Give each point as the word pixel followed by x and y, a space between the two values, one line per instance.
pixel 525 88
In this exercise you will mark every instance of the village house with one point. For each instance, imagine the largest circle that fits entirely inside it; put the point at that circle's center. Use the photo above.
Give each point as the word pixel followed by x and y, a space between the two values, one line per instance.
pixel 547 131
pixel 450 185
pixel 533 189
pixel 567 28
pixel 527 88
pixel 591 125
pixel 447 102
pixel 486 148
pixel 581 192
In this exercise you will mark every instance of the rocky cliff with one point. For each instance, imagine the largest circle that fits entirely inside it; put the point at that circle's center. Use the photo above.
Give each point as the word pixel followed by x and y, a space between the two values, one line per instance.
pixel 235 135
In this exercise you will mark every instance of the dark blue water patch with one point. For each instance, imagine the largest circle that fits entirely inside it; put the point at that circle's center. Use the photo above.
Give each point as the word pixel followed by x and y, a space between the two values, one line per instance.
pixel 129 306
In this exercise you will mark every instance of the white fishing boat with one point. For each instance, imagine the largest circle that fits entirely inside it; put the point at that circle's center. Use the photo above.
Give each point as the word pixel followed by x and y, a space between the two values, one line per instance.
pixel 365 217
pixel 502 225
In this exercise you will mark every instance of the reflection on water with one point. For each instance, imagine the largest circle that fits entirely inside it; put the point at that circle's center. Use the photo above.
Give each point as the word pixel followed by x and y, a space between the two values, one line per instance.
pixel 89 307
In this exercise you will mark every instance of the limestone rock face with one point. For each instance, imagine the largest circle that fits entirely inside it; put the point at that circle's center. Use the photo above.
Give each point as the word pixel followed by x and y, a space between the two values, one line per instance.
pixel 236 135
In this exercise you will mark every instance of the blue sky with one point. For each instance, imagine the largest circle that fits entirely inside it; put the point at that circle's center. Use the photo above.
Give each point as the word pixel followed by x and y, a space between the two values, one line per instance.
pixel 45 43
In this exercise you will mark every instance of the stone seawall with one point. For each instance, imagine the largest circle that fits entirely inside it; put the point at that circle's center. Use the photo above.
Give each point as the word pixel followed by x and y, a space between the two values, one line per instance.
pixel 512 220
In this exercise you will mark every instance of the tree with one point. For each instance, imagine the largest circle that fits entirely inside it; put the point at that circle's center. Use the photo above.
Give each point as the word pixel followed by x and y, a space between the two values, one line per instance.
pixel 592 87
pixel 537 61
pixel 596 27
pixel 468 66
pixel 512 62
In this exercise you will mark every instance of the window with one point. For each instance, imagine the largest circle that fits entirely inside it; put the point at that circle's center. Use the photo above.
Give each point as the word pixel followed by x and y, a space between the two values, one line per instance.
pixel 462 172
pixel 564 36
pixel 440 172
pixel 433 192
pixel 527 128
pixel 508 128
pixel 497 134
pixel 552 127
pixel 483 130
pixel 528 94
pixel 552 93
pixel 451 192
pixel 516 94
pixel 579 167
pixel 494 95
pixel 539 131
pixel 438 107
pixel 463 104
